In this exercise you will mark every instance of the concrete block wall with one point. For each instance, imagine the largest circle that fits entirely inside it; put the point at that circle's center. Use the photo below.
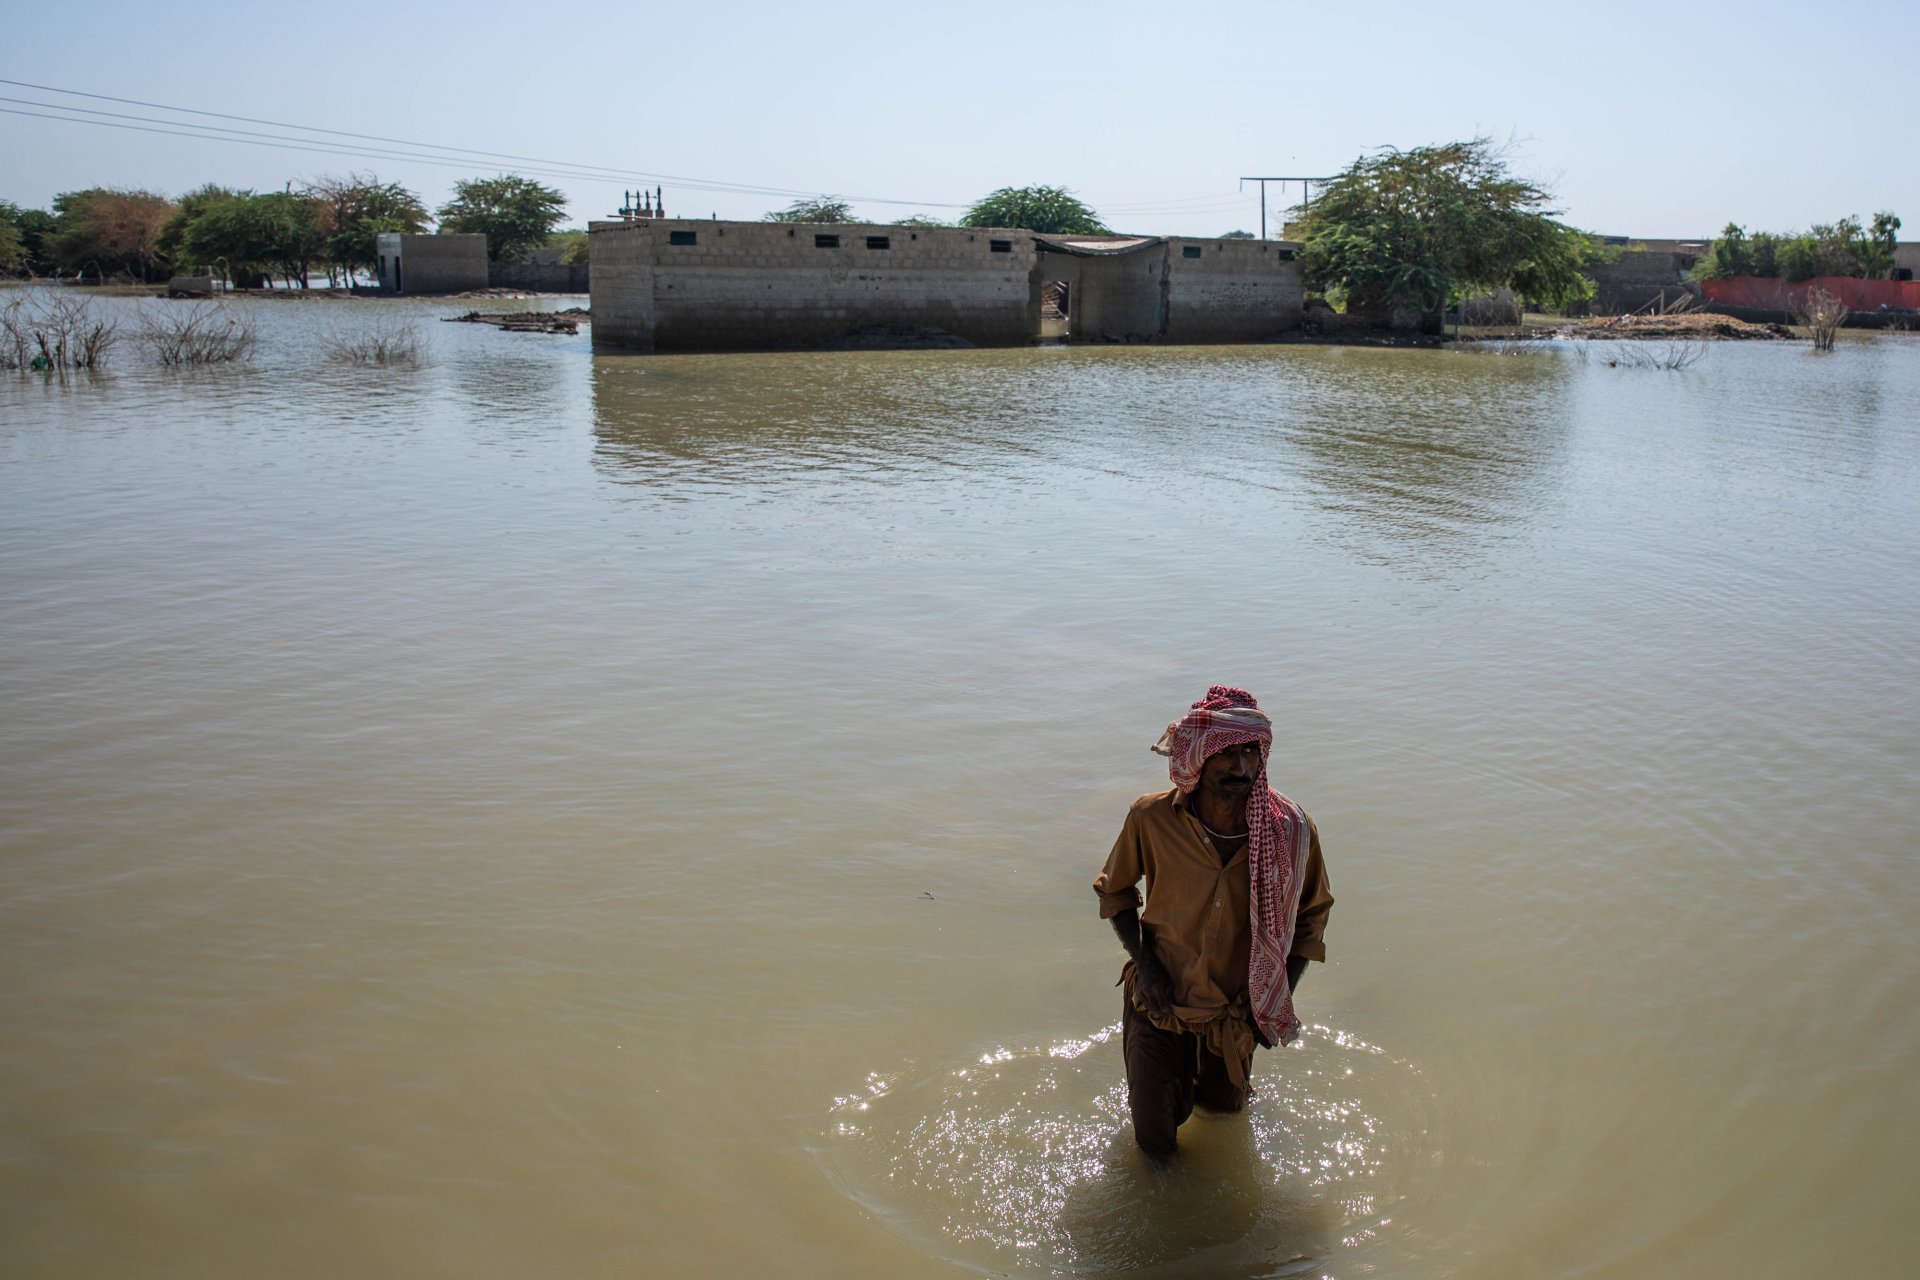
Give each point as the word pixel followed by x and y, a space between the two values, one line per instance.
pixel 1235 291
pixel 432 264
pixel 750 285
pixel 538 276
pixel 621 284
pixel 1639 278
pixel 1122 296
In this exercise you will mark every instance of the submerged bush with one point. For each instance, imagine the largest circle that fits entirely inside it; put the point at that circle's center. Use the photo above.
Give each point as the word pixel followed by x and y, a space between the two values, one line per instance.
pixel 383 340
pixel 195 333
pixel 1823 314
pixel 43 329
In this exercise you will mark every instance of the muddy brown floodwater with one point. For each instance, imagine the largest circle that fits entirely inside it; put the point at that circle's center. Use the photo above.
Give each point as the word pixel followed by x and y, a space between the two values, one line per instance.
pixel 546 815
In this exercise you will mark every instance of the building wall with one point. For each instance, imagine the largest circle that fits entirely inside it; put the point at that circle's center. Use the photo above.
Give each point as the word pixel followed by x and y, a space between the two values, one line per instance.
pixel 431 264
pixel 1235 291
pixel 1122 297
pixel 1638 279
pixel 749 285
pixel 538 276
pixel 622 284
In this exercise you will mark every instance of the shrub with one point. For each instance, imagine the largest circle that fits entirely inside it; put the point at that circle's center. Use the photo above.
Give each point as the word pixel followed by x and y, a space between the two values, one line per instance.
pixel 40 329
pixel 382 341
pixel 195 333
pixel 1823 314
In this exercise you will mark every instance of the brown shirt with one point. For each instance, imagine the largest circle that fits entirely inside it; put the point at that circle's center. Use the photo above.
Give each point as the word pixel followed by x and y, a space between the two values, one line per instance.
pixel 1196 908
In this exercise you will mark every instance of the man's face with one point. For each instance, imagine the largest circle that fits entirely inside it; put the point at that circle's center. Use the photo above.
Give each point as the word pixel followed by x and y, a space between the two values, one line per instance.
pixel 1230 771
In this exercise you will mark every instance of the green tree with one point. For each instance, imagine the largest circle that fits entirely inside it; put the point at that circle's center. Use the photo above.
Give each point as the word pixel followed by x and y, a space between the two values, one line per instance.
pixel 814 209
pixel 103 230
pixel 354 210
pixel 190 206
pixel 1732 255
pixel 36 228
pixel 515 214
pixel 1418 228
pixel 920 220
pixel 13 245
pixel 1048 210
pixel 1239 235
pixel 572 244
pixel 281 232
pixel 1876 252
pixel 1799 257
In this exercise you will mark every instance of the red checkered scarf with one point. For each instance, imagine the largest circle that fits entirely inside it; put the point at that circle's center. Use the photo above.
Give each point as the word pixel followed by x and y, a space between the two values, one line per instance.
pixel 1277 836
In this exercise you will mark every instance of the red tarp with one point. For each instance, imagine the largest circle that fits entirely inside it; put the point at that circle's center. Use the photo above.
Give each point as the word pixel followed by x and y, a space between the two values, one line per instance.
pixel 1769 293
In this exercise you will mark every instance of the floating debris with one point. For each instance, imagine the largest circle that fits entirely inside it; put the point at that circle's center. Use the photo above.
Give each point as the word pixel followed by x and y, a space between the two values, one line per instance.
pixel 568 321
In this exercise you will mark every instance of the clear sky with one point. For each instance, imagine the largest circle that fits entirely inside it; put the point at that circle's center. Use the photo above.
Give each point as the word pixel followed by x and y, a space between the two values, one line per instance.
pixel 1645 119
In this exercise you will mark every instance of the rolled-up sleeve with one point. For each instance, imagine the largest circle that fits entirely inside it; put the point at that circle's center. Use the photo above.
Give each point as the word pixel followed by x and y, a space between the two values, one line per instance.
pixel 1316 901
pixel 1117 881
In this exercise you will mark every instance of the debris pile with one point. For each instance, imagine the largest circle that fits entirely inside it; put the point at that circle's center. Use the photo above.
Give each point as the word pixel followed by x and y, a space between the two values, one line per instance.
pixel 1687 325
pixel 568 321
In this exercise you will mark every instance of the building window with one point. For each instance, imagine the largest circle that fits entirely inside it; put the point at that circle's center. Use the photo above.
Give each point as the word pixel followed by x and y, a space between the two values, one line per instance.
pixel 879 242
pixel 826 242
pixel 1000 246
pixel 1285 255
pixel 1190 251
pixel 683 237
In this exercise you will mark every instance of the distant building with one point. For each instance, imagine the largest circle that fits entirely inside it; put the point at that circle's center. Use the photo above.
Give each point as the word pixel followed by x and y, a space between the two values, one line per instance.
pixel 431 264
pixel 1646 274
pixel 1906 257
pixel 689 285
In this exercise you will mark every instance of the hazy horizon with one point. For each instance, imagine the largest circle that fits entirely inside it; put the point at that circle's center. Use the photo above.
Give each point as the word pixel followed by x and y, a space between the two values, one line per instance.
pixel 1640 125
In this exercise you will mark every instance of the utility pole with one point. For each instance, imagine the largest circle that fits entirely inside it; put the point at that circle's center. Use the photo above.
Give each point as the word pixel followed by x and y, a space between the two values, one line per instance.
pixel 1306 195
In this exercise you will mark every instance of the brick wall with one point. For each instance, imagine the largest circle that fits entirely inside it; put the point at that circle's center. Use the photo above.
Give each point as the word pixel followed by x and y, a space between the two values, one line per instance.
pixel 748 285
pixel 621 284
pixel 686 285
pixel 1235 291
pixel 431 264
pixel 1122 297
pixel 538 277
pixel 1638 279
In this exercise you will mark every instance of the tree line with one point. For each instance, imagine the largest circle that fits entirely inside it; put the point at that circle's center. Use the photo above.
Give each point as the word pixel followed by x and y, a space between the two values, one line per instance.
pixel 1047 210
pixel 327 226
pixel 1843 248
pixel 1412 229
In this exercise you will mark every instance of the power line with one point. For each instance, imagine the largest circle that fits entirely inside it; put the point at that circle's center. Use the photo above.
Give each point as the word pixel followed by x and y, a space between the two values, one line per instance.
pixel 543 166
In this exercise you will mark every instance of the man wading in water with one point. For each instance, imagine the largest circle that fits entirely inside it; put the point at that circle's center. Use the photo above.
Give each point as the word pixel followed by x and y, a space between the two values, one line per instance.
pixel 1236 903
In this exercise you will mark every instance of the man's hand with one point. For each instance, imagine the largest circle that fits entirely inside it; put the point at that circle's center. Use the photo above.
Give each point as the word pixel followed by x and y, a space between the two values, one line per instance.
pixel 1151 984
pixel 1150 980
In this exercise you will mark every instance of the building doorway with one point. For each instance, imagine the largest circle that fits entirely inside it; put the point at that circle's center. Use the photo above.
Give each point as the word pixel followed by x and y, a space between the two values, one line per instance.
pixel 1056 310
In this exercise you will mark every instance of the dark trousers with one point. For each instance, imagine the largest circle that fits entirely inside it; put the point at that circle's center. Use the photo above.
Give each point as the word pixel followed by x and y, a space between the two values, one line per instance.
pixel 1167 1073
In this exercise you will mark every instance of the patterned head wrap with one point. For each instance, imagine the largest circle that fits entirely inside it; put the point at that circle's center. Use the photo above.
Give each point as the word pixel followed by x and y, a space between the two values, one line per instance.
pixel 1277 841
pixel 1226 717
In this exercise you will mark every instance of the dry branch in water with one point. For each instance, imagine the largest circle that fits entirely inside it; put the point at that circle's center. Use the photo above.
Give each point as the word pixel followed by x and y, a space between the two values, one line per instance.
pixel 195 333
pixel 1633 355
pixel 1823 314
pixel 41 329
pixel 383 340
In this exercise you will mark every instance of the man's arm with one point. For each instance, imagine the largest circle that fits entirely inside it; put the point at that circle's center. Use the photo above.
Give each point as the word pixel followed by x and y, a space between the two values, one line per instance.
pixel 1316 901
pixel 1150 979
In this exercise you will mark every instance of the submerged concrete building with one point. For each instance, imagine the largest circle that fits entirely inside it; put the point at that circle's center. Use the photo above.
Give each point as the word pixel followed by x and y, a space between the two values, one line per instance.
pixel 450 263
pixel 663 284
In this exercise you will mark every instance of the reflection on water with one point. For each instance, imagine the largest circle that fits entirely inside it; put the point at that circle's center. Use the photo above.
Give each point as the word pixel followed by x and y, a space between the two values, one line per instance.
pixel 1023 1161
pixel 1424 464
